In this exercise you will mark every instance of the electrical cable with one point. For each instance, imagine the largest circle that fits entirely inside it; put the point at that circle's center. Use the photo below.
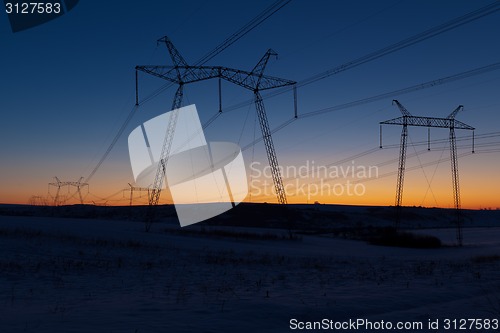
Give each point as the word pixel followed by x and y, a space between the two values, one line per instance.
pixel 420 37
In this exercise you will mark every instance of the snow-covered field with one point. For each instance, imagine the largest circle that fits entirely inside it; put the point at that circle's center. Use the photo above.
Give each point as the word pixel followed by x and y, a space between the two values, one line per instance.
pixel 85 275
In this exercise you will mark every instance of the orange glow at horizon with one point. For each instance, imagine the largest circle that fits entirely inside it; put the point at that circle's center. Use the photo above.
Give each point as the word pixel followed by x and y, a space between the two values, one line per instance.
pixel 479 184
pixel 383 195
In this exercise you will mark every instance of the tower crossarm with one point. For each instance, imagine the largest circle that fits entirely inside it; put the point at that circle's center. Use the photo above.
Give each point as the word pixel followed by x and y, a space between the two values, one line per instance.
pixel 428 122
pixel 56 183
pixel 137 188
pixel 190 74
pixel 252 80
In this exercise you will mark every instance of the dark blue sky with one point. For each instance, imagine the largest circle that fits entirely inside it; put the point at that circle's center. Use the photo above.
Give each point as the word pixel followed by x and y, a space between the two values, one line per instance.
pixel 68 85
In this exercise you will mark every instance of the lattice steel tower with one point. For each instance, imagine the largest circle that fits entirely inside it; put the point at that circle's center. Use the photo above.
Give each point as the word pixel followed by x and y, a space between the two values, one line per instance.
pixel 60 184
pixel 449 122
pixel 181 73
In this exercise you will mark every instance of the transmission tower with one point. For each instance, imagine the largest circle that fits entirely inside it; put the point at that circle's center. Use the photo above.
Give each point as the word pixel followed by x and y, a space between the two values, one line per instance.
pixel 181 73
pixel 37 200
pixel 449 122
pixel 59 184
pixel 255 84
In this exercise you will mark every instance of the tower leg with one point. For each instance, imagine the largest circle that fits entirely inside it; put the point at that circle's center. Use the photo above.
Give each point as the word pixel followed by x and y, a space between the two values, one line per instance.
pixel 80 195
pixel 271 153
pixel 56 199
pixel 456 184
pixel 154 197
pixel 401 174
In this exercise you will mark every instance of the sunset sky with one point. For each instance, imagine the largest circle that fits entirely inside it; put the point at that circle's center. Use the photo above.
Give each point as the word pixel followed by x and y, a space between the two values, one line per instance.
pixel 67 86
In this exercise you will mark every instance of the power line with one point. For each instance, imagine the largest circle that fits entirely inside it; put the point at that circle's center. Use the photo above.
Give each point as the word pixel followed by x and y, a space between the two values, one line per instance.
pixel 268 12
pixel 455 23
pixel 429 84
pixel 112 144
pixel 414 144
pixel 420 37
pixel 425 85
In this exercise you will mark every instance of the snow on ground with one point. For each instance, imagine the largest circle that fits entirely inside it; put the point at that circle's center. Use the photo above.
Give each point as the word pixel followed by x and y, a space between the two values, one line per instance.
pixel 82 275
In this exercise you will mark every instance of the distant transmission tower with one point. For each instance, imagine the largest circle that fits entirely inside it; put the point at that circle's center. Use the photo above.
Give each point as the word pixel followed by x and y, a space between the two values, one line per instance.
pixel 59 184
pixel 37 200
pixel 449 122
